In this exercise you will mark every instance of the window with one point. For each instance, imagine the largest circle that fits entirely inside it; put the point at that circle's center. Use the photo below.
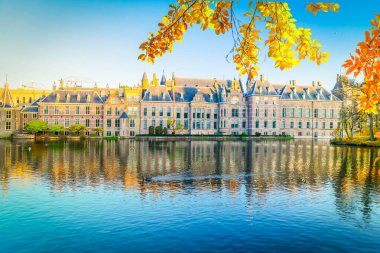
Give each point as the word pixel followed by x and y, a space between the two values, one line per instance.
pixel 203 114
pixel 215 113
pixel 34 115
pixel 265 124
pixel 77 121
pixel 25 116
pixel 161 111
pixel 315 113
pixel 198 113
pixel 67 122
pixel 307 124
pixel 117 111
pixel 145 111
pixel 235 124
pixel 292 112
pixel 109 123
pixel 208 113
pixel 284 112
pixel 291 124
pixel 235 112
pixel 257 112
pixel 87 110
pixel 117 122
pixel 283 124
pixel 316 125
pixel 55 121
pixel 77 110
pixel 274 124
pixel 67 110
pixel 299 112
pixel 257 124
pixel 331 113
pixel 331 125
pixel 87 123
pixel 244 112
pixel 323 113
pixel 186 124
pixel 8 125
pixel 97 110
pixel 300 124
pixel 307 113
pixel 186 113
pixel 109 111
pixel 9 114
pixel 132 123
pixel 145 124
pixel 244 124
pixel 274 113
pixel 266 112
pixel 97 122
pixel 154 123
pixel 215 125
pixel 323 125
pixel 153 111
pixel 108 133
pixel 46 110
pixel 178 116
pixel 56 110
pixel 168 112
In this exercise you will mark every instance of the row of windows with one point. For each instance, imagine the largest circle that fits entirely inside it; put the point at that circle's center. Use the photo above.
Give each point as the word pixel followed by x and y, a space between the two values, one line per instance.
pixel 77 110
pixel 301 112
pixel 26 115
pixel 98 122
pixel 292 124
pixel 197 112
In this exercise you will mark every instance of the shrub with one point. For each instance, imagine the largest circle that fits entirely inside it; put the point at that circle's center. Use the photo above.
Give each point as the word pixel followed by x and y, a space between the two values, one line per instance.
pixel 244 133
pixel 165 131
pixel 151 130
pixel 158 130
pixel 258 134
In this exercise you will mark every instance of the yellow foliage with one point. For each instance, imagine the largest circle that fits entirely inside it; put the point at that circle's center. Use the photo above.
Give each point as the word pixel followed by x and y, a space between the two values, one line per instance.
pixel 287 44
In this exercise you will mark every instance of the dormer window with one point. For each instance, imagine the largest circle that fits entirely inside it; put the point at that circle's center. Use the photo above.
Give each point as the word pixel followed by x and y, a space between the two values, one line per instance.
pixel 78 98
pixel 57 98
pixel 88 98
pixel 181 95
pixel 163 95
pixel 68 98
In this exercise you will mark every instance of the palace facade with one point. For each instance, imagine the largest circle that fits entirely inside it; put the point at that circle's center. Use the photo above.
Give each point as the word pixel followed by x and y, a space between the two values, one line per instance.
pixel 183 105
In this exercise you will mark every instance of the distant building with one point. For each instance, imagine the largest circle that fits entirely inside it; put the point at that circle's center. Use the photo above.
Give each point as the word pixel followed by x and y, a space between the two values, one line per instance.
pixel 196 106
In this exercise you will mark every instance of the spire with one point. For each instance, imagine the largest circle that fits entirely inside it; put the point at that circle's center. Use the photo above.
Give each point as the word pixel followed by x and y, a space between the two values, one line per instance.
pixel 6 98
pixel 61 83
pixel 155 79
pixel 145 81
pixel 163 78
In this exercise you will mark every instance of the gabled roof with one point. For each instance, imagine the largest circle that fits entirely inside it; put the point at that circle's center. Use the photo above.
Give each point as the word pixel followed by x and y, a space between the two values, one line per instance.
pixel 183 94
pixel 157 93
pixel 124 115
pixel 68 96
pixel 305 92
pixel 33 107
pixel 262 88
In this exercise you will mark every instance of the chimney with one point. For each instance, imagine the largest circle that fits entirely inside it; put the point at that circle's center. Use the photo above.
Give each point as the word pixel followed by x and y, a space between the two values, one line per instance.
pixel 319 83
pixel 262 77
pixel 313 83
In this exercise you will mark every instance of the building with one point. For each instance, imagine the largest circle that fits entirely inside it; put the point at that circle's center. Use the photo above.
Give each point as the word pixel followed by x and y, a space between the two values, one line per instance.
pixel 184 106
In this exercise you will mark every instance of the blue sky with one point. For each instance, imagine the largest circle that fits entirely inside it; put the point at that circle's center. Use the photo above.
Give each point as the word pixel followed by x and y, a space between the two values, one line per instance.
pixel 45 40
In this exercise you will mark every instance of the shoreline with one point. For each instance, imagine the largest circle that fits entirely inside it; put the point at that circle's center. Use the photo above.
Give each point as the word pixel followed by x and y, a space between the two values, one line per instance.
pixel 367 144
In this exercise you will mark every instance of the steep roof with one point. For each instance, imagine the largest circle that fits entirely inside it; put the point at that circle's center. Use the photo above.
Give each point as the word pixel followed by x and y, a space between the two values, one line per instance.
pixel 68 96
pixel 6 100
pixel 157 93
pixel 33 107
pixel 204 82
pixel 306 92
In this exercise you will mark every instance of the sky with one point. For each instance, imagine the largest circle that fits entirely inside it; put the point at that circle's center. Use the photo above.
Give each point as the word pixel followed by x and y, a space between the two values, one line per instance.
pixel 42 41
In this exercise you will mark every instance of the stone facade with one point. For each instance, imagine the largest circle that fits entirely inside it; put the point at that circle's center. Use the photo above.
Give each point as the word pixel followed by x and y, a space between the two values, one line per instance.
pixel 185 106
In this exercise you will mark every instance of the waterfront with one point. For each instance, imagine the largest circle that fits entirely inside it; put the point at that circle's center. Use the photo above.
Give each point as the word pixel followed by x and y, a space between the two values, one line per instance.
pixel 188 196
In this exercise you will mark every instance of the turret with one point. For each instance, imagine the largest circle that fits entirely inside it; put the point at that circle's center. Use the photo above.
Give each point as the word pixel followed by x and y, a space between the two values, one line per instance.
pixel 145 81
pixel 163 79
pixel 155 80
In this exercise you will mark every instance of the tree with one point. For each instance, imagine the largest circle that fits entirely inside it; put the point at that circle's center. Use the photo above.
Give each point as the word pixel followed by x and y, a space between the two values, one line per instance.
pixel 98 130
pixel 57 128
pixel 350 117
pixel 36 126
pixel 78 129
pixel 171 124
pixel 287 44
pixel 151 130
pixel 366 62
pixel 158 130
pixel 165 131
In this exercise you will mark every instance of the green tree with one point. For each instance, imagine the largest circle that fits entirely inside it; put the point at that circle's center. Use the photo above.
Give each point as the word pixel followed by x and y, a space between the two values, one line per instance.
pixel 78 129
pixel 98 131
pixel 151 130
pixel 158 130
pixel 171 124
pixel 57 128
pixel 36 126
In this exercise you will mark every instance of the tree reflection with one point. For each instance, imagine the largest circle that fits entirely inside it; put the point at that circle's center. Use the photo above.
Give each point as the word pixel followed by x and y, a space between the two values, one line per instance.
pixel 254 168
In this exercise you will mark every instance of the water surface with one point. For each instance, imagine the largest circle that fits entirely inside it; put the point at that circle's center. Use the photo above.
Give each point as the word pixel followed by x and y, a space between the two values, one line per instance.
pixel 198 196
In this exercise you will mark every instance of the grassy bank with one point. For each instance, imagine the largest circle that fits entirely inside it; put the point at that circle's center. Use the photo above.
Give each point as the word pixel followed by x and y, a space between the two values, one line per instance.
pixel 358 141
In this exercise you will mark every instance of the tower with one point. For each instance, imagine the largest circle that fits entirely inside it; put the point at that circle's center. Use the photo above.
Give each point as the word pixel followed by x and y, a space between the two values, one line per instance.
pixel 145 81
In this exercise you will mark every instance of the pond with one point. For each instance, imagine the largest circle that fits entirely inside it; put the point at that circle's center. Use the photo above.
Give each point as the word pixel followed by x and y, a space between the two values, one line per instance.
pixel 188 196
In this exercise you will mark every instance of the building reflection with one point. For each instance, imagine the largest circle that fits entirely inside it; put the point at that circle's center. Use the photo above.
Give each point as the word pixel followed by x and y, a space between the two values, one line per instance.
pixel 254 168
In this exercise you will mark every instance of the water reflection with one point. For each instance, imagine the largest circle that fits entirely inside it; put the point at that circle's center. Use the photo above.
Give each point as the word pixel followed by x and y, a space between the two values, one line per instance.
pixel 253 169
